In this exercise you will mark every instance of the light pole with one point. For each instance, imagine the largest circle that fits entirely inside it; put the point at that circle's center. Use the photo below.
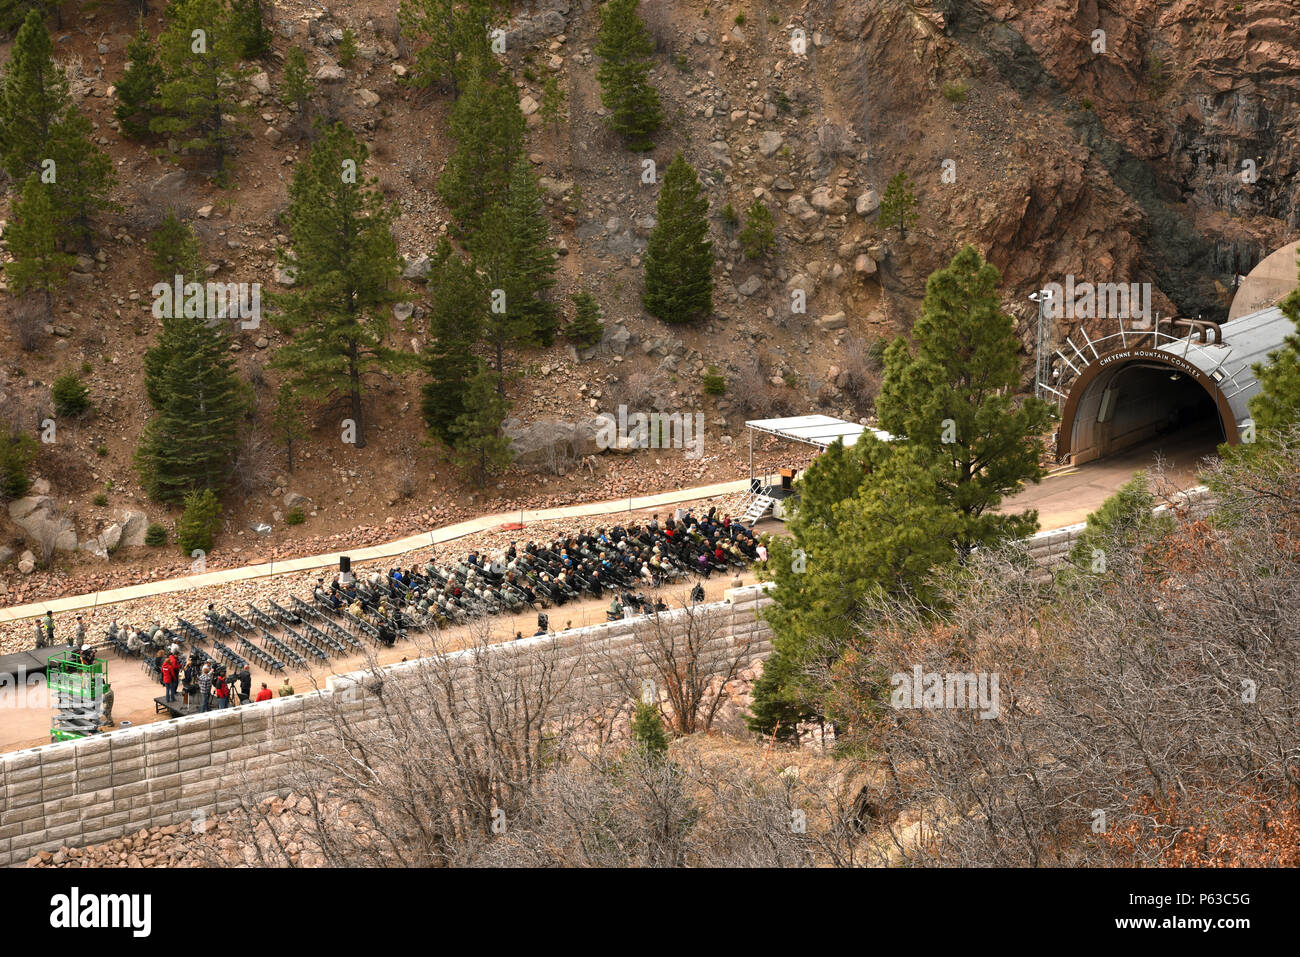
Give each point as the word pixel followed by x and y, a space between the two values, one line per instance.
pixel 1042 297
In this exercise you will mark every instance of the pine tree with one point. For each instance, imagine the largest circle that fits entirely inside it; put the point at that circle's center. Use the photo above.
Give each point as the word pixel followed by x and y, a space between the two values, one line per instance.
pixel 1124 520
pixel 296 86
pixel 174 250
pixel 252 35
pixel 648 731
pixel 286 422
pixel 512 247
pixel 458 306
pixel 137 90
pixel 869 522
pixel 679 256
pixel 954 398
pixel 83 175
pixel 33 100
pixel 898 204
pixel 13 13
pixel 506 323
pixel 455 35
pixel 1277 405
pixel 625 48
pixel 552 106
pixel 759 235
pixel 586 329
pixel 476 439
pixel 32 235
pixel 199 403
pixel 346 262
pixel 199 522
pixel 17 453
pixel 201 85
pixel 488 129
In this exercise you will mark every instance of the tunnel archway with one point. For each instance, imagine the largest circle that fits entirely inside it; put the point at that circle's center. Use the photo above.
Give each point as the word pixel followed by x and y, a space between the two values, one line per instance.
pixel 1132 396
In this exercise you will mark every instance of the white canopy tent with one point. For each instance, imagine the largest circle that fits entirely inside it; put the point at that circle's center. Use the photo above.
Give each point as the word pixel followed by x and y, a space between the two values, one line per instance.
pixel 818 430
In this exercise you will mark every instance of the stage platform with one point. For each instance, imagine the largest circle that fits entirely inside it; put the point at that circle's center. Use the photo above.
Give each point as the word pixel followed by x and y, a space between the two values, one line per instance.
pixel 31 662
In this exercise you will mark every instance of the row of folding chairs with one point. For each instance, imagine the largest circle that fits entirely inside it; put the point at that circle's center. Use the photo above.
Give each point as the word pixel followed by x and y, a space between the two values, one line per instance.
pixel 324 640
pixel 358 624
pixel 305 610
pixel 219 625
pixel 261 617
pixel 231 656
pixel 282 613
pixel 307 645
pixel 342 634
pixel 280 649
pixel 238 622
pixel 190 632
pixel 264 658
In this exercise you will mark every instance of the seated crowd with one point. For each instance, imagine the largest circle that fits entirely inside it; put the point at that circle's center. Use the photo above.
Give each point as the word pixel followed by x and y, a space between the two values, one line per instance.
pixel 591 562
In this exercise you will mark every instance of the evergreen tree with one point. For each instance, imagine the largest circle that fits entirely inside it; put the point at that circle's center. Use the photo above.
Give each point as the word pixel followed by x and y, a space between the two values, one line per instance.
pixel 17 453
pixel 297 86
pixel 191 441
pixel 488 129
pixel 458 306
pixel 33 100
pixel 648 731
pixel 32 235
pixel 13 13
pixel 476 439
pixel 252 35
pixel 552 106
pixel 83 175
pixel 1277 405
pixel 679 256
pixel 174 250
pixel 506 322
pixel 513 249
pixel 346 262
pixel 199 523
pixel 452 38
pixel 586 329
pixel 137 90
pixel 954 397
pixel 898 204
pixel 868 523
pixel 759 235
pixel 70 396
pixel 1125 520
pixel 286 422
pixel 201 84
pixel 625 48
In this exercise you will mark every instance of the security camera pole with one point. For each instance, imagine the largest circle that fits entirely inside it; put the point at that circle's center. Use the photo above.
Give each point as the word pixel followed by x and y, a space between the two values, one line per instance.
pixel 1042 297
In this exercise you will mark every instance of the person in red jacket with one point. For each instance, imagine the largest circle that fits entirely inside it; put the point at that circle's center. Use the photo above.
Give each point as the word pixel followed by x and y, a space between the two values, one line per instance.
pixel 170 674
pixel 265 693
pixel 221 688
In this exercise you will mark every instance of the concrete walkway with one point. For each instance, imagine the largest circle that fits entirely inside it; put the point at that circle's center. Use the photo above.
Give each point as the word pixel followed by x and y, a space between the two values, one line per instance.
pixel 387 550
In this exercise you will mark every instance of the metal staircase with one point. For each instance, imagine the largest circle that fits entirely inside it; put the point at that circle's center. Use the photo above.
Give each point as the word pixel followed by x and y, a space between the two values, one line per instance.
pixel 755 505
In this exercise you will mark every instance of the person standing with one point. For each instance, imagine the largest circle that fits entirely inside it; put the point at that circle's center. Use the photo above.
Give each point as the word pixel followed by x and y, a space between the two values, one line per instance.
pixel 190 680
pixel 205 687
pixel 81 632
pixel 286 689
pixel 221 688
pixel 245 685
pixel 169 676
pixel 40 635
pixel 264 694
pixel 49 629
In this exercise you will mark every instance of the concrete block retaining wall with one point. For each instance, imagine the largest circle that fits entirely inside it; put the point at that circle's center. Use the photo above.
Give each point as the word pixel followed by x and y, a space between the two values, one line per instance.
pixel 100 788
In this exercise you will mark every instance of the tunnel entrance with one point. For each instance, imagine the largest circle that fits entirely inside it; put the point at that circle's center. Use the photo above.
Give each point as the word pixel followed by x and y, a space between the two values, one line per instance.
pixel 1143 397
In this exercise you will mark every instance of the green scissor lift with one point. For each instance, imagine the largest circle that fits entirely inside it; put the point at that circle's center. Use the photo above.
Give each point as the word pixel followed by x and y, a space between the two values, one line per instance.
pixel 77 691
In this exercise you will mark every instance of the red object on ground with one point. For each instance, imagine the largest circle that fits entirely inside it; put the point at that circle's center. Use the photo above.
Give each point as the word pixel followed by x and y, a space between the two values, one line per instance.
pixel 510 527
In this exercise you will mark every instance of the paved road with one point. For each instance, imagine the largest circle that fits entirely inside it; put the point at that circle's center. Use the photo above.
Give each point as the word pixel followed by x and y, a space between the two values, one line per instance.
pixel 1069 495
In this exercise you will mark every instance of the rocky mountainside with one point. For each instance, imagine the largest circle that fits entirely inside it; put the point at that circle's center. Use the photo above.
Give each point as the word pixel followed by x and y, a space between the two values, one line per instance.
pixel 1054 148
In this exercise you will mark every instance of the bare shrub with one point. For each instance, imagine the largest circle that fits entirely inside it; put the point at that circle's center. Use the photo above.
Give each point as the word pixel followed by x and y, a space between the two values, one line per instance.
pixel 28 317
pixel 1148 711
pixel 684 663
pixel 749 387
pixel 860 376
